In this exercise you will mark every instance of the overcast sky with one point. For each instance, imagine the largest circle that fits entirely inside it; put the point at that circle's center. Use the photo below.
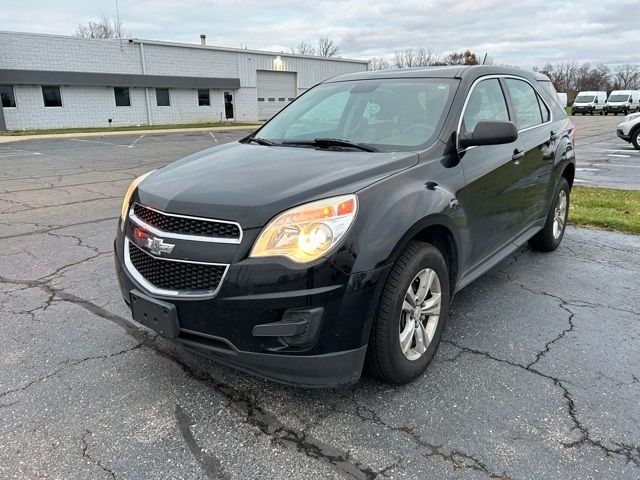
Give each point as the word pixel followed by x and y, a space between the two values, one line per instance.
pixel 531 32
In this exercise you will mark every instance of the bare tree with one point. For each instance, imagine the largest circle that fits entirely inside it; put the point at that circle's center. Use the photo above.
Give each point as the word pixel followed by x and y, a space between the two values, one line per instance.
pixel 415 58
pixel 304 48
pixel 328 47
pixel 103 28
pixel 627 76
pixel 462 58
pixel 378 63
pixel 571 78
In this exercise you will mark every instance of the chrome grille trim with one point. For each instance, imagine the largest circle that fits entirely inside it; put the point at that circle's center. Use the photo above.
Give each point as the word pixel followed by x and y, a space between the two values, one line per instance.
pixel 181 236
pixel 137 276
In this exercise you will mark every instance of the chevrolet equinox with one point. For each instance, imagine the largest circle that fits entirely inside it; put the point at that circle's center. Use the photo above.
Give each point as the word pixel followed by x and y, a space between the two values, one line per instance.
pixel 333 238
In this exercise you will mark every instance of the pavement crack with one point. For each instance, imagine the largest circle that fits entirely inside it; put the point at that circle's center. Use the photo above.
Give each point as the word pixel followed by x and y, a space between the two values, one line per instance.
pixel 630 453
pixel 50 228
pixel 457 458
pixel 560 336
pixel 87 455
pixel 254 415
pixel 209 464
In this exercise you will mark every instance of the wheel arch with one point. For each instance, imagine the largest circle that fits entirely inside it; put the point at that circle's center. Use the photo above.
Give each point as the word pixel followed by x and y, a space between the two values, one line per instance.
pixel 569 173
pixel 439 231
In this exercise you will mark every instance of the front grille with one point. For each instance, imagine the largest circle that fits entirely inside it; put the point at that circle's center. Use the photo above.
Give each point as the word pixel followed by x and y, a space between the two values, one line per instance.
pixel 171 275
pixel 186 226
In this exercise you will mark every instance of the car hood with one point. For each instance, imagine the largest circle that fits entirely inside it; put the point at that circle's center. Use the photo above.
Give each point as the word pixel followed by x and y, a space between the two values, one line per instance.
pixel 250 184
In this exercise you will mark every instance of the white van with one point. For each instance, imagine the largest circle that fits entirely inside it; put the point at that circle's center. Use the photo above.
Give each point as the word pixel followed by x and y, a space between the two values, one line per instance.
pixel 563 99
pixel 623 101
pixel 589 102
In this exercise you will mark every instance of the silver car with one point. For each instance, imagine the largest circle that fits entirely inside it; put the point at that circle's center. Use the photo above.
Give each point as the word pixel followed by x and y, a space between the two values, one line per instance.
pixel 629 130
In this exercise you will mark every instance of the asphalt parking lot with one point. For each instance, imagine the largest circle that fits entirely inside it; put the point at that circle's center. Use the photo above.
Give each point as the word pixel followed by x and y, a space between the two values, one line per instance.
pixel 603 160
pixel 538 375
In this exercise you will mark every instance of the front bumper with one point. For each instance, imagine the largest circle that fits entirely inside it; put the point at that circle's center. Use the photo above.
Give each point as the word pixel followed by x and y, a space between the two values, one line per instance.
pixel 616 109
pixel 582 109
pixel 259 292
pixel 621 134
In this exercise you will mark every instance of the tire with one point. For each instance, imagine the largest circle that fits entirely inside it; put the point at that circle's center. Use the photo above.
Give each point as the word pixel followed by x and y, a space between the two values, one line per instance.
pixel 385 357
pixel 591 112
pixel 606 113
pixel 545 240
pixel 635 138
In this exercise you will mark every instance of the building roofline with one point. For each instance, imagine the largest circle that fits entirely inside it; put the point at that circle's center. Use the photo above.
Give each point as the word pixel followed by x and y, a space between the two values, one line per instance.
pixel 190 45
pixel 243 50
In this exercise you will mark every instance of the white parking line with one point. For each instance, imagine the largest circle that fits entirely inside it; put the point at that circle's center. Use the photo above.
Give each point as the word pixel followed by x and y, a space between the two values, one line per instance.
pixel 18 154
pixel 136 141
pixel 604 150
pixel 587 169
pixel 214 138
pixel 96 141
pixel 618 155
pixel 614 165
pixel 579 180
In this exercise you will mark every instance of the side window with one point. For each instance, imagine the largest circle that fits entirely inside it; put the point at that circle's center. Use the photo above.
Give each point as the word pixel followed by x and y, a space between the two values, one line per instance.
pixel 546 114
pixel 486 102
pixel 525 102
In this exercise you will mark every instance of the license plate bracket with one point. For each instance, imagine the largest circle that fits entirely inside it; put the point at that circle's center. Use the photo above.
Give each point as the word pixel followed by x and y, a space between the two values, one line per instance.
pixel 157 315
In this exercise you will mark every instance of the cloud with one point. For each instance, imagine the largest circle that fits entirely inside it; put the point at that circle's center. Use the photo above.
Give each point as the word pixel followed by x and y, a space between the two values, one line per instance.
pixel 531 32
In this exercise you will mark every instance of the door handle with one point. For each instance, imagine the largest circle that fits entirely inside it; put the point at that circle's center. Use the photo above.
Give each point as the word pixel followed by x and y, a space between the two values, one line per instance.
pixel 517 156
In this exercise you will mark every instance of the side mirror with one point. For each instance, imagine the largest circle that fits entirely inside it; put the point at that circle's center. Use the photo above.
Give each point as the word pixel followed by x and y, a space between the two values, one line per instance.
pixel 490 132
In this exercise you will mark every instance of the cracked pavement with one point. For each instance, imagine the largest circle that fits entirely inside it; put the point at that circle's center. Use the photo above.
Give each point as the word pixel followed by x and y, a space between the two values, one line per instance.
pixel 538 375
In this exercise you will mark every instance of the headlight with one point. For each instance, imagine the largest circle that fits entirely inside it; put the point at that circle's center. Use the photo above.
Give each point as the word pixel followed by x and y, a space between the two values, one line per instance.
pixel 307 232
pixel 127 196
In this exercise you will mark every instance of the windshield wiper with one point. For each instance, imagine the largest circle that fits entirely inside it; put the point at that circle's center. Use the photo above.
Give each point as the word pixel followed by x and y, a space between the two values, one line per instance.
pixel 261 141
pixel 332 142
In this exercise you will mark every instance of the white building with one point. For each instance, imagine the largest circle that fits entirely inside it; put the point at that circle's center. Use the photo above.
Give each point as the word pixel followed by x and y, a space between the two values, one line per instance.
pixel 53 81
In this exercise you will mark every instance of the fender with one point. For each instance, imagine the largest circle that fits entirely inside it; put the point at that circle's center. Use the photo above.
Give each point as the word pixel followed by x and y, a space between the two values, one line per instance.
pixel 395 211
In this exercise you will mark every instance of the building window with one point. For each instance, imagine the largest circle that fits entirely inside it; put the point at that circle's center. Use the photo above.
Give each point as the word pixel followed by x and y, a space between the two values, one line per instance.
pixel 122 96
pixel 203 97
pixel 162 97
pixel 7 96
pixel 51 96
pixel 291 99
pixel 228 104
pixel 281 99
pixel 271 99
pixel 261 99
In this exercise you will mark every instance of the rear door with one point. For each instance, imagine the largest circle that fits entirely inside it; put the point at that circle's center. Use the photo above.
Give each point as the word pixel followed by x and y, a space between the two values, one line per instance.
pixel 533 118
pixel 492 196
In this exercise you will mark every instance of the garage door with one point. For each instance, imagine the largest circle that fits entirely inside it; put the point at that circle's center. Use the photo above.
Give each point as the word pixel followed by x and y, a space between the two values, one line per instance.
pixel 275 91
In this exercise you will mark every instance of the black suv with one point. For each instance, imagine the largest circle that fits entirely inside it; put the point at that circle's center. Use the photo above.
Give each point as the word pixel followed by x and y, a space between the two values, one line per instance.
pixel 335 236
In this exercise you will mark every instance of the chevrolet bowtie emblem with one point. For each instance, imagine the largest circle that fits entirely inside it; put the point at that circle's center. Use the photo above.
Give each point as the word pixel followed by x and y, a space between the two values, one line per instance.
pixel 157 246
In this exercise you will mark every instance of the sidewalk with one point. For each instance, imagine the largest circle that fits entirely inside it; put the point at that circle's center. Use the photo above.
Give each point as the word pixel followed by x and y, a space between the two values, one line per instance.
pixel 120 133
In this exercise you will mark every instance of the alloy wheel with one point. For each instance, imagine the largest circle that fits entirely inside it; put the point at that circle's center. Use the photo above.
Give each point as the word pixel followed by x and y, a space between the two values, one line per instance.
pixel 560 214
pixel 420 314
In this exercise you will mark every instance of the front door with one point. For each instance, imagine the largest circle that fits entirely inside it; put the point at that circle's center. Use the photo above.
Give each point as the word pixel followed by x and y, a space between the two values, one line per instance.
pixel 536 131
pixel 492 196
pixel 228 105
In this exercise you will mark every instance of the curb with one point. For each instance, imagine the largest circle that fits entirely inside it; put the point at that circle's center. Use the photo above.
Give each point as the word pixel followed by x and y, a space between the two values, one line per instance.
pixel 121 133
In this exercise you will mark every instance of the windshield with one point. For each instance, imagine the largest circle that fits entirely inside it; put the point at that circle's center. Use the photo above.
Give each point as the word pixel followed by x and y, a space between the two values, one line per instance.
pixel 584 99
pixel 618 98
pixel 387 114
